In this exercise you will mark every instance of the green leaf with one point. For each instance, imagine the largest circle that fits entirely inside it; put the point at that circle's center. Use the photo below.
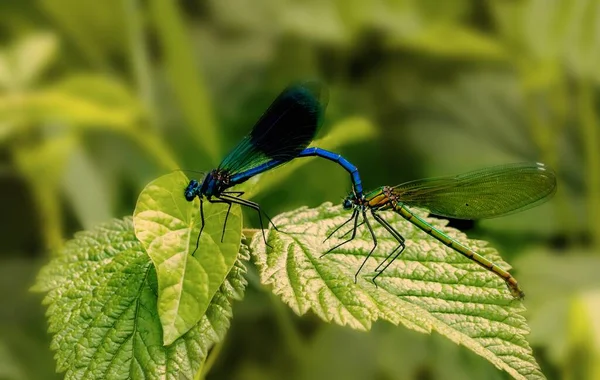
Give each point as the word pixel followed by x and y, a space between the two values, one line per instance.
pixel 449 40
pixel 429 288
pixel 101 90
pixel 167 226
pixel 317 21
pixel 26 60
pixel 73 109
pixel 82 102
pixel 102 310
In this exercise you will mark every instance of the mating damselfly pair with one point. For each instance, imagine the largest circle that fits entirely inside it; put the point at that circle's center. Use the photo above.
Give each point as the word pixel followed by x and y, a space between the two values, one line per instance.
pixel 292 121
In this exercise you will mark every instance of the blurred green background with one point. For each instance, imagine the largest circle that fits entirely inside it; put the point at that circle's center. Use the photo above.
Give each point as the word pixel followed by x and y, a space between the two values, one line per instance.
pixel 98 98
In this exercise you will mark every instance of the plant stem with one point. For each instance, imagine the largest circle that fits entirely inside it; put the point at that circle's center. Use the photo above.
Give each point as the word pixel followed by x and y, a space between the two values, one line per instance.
pixel 210 360
pixel 282 315
pixel 289 331
pixel 591 141
pixel 140 66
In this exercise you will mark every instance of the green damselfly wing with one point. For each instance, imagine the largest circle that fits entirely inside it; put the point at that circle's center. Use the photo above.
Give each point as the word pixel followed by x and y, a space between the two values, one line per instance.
pixel 485 193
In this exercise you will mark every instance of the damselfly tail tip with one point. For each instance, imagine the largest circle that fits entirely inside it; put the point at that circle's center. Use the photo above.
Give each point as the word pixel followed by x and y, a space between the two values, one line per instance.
pixel 516 291
pixel 520 295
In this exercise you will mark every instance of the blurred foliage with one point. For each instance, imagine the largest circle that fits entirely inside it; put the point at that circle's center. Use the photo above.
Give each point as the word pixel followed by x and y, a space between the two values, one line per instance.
pixel 97 99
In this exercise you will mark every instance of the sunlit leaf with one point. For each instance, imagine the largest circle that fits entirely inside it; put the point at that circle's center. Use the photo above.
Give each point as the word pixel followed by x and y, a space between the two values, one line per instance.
pixel 167 225
pixel 32 55
pixel 101 293
pixel 49 106
pixel 22 63
pixel 451 41
pixel 84 102
pixel 430 288
pixel 315 20
pixel 101 90
pixel 93 101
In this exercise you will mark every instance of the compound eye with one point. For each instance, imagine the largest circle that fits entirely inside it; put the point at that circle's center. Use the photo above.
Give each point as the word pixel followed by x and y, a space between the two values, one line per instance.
pixel 190 190
pixel 347 204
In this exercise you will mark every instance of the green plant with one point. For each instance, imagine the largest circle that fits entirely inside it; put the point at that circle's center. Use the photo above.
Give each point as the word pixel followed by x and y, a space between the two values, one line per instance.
pixel 97 99
pixel 123 307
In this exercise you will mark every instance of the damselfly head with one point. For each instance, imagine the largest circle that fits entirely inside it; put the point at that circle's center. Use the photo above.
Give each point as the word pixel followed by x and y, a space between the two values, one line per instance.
pixel 191 190
pixel 348 203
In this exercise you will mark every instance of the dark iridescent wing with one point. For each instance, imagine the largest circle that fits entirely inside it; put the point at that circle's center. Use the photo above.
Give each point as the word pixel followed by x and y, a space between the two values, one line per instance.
pixel 285 129
pixel 486 193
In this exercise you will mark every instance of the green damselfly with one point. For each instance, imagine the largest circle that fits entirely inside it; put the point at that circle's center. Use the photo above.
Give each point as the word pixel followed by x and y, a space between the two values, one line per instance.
pixel 486 193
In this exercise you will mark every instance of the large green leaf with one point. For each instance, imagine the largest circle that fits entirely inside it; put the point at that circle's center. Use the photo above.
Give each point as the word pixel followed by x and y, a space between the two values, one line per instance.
pixel 167 226
pixel 84 101
pixel 24 62
pixel 101 292
pixel 430 288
